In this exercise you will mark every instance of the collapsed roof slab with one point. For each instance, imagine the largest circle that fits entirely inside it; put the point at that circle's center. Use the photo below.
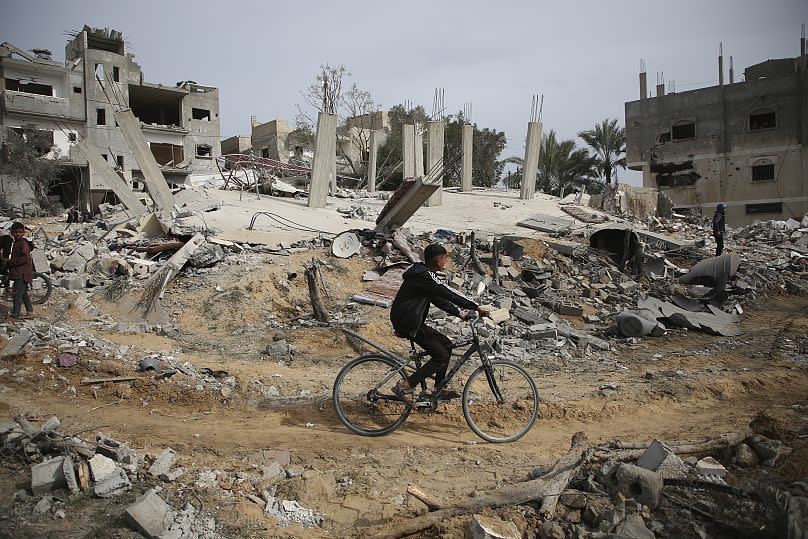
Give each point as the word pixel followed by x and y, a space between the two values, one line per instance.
pixel 152 175
pixel 121 189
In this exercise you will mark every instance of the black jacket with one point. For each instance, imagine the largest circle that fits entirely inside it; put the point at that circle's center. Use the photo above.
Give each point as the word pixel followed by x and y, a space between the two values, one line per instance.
pixel 420 288
pixel 719 223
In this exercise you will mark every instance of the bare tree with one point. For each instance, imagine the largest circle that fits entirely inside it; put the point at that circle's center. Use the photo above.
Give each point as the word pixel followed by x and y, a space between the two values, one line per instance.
pixel 323 95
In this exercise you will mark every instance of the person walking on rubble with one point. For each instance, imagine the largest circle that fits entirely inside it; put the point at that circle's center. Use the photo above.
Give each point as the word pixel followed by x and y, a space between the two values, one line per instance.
pixel 719 226
pixel 408 314
pixel 21 271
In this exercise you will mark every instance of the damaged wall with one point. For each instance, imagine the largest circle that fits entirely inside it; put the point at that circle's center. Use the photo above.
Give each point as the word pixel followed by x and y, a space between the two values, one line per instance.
pixel 678 140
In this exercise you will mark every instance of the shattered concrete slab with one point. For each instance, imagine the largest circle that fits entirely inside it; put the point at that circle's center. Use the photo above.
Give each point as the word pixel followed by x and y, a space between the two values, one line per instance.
pixel 544 222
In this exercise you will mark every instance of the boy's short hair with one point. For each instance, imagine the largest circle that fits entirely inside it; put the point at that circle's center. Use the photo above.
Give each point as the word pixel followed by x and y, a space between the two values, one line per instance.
pixel 433 251
pixel 17 226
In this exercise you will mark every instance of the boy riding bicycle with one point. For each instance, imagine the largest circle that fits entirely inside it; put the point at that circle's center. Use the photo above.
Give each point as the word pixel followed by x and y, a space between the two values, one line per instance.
pixel 409 311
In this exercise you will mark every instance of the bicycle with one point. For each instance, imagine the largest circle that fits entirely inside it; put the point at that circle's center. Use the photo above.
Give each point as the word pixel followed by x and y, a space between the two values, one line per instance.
pixel 500 400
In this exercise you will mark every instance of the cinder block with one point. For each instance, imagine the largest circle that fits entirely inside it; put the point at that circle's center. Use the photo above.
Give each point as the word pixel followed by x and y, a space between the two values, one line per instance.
pixel 150 514
pixel 500 315
pixel 163 463
pixel 47 476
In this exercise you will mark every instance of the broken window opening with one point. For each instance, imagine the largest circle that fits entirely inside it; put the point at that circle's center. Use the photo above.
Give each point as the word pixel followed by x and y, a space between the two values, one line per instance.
pixel 764 119
pixel 167 154
pixel 683 130
pixel 200 114
pixel 664 137
pixel 106 158
pixel 265 152
pixel 116 74
pixel 765 207
pixel 29 87
pixel 99 72
pixel 100 116
pixel 119 161
pixel 763 170
pixel 72 137
pixel 155 106
pixel 204 150
pixel 76 89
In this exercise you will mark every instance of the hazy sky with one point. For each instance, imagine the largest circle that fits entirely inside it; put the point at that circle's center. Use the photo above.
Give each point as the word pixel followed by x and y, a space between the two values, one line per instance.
pixel 583 56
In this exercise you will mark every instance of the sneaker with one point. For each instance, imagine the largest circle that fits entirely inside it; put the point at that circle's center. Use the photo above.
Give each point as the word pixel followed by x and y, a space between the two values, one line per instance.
pixel 447 394
pixel 404 393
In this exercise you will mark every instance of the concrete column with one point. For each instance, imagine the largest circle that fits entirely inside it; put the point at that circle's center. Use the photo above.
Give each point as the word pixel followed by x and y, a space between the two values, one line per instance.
pixel 531 165
pixel 465 170
pixel 643 85
pixel 436 134
pixel 324 165
pixel 419 154
pixel 660 89
pixel 408 149
pixel 374 150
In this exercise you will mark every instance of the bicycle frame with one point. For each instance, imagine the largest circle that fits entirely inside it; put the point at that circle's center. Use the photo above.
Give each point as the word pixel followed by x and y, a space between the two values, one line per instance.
pixel 403 362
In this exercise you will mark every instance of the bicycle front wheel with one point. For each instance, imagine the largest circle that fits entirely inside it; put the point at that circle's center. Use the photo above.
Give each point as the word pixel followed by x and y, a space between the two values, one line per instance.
pixel 500 402
pixel 364 400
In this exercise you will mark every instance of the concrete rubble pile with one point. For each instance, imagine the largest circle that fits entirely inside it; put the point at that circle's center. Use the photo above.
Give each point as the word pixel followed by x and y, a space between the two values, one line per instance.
pixel 67 467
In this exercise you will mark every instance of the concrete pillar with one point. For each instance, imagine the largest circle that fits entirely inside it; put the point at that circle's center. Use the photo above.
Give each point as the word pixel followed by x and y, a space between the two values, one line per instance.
pixel 419 154
pixel 435 133
pixel 465 165
pixel 324 165
pixel 152 175
pixel 374 150
pixel 100 167
pixel 531 165
pixel 643 85
pixel 408 149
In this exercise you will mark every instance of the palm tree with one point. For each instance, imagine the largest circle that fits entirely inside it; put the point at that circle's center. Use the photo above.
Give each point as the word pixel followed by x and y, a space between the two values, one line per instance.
pixel 608 142
pixel 571 165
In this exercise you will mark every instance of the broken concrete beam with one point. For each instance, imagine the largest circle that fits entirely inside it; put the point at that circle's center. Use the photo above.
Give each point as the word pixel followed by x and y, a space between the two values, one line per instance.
pixel 542 331
pixel 16 343
pixel 152 175
pixel 324 164
pixel 164 461
pixel 47 476
pixel 99 165
pixel 76 282
pixel 569 309
pixel 150 515
pixel 710 466
pixel 401 209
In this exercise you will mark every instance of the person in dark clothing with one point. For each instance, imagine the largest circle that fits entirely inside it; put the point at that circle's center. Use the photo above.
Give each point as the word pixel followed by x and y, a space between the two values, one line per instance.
pixel 21 270
pixel 408 313
pixel 719 226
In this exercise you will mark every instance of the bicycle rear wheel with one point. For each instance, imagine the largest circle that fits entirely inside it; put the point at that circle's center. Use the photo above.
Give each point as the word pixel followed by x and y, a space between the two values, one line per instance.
pixel 40 288
pixel 362 406
pixel 500 402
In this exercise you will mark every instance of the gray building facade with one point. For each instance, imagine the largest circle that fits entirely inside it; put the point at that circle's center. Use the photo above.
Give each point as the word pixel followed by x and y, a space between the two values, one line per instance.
pixel 742 143
pixel 75 100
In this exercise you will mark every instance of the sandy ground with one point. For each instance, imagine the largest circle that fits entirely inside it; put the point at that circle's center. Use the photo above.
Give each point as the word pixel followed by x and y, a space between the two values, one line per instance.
pixel 685 385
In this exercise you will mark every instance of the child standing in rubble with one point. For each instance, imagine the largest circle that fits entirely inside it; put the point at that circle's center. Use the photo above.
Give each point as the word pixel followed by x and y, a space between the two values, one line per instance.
pixel 21 271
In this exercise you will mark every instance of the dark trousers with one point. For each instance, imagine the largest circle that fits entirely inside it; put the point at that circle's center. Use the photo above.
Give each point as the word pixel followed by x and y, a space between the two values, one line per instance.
pixel 439 347
pixel 719 244
pixel 21 296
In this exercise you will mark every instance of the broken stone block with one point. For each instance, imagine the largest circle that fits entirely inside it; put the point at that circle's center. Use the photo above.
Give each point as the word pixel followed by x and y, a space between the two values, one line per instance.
pixel 504 303
pixel 542 331
pixel 102 467
pixel 634 527
pixel 173 475
pixel 16 343
pixel 628 287
pixel 767 450
pixel 569 309
pixel 76 282
pixel 710 466
pixel 551 530
pixel 574 501
pixel 40 260
pixel 118 451
pixel 47 476
pixel 485 527
pixel 163 463
pixel 500 315
pixel 112 485
pixel 51 424
pixel 745 456
pixel 272 473
pixel 661 459
pixel 44 505
pixel 68 469
pixel 85 250
pixel 277 348
pixel 643 485
pixel 150 515
pixel 74 262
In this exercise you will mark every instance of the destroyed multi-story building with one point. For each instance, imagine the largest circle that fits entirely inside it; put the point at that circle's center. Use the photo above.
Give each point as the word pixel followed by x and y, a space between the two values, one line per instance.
pixel 75 100
pixel 742 143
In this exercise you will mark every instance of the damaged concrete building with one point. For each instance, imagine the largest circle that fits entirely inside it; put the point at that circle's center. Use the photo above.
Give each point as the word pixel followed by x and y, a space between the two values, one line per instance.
pixel 742 143
pixel 75 100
